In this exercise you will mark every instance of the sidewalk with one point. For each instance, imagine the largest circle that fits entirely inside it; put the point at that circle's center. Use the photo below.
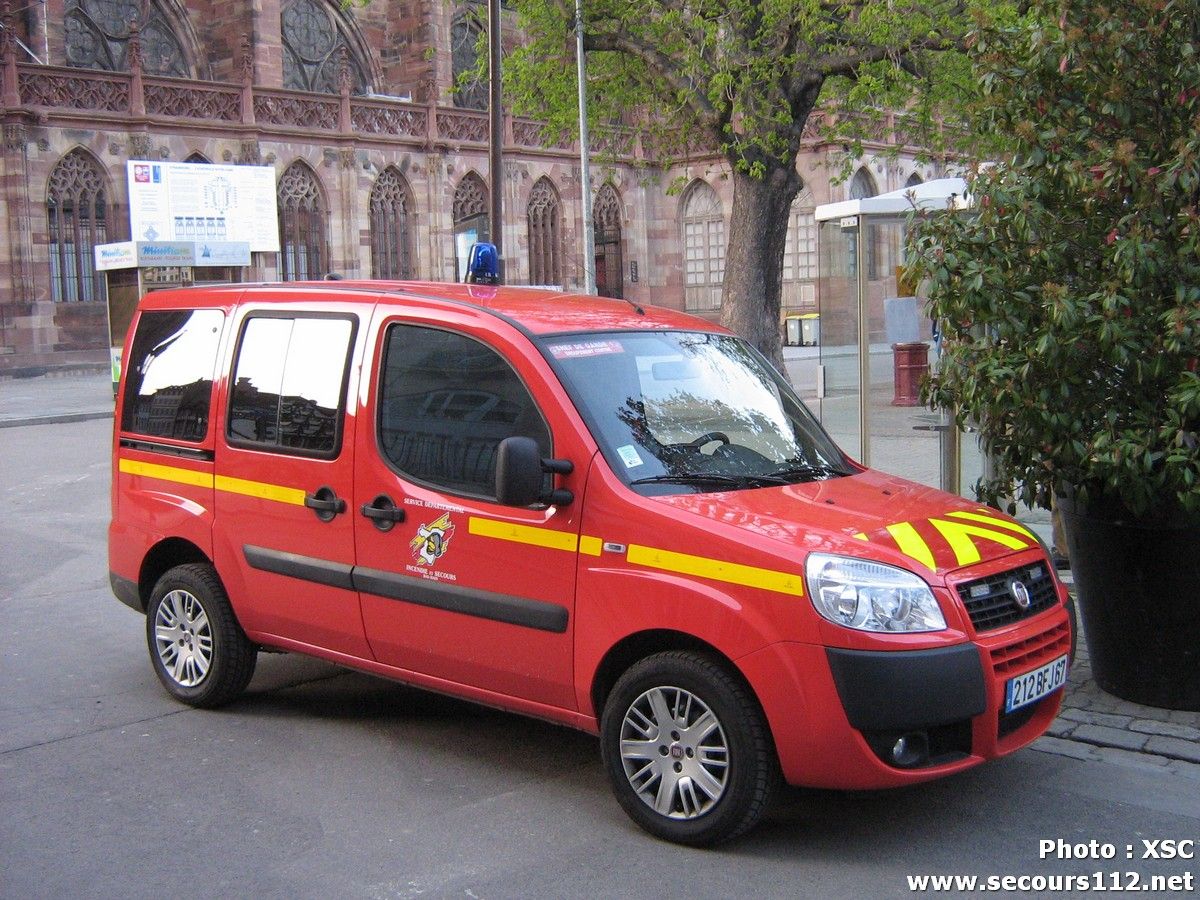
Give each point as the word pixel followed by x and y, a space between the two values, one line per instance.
pixel 1093 725
pixel 48 399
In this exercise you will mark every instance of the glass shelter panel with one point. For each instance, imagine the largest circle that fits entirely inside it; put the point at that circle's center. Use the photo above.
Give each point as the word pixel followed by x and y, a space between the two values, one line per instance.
pixel 839 406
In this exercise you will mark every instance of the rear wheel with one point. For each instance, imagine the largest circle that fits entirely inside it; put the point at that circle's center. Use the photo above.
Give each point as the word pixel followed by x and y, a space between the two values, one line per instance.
pixel 199 651
pixel 687 749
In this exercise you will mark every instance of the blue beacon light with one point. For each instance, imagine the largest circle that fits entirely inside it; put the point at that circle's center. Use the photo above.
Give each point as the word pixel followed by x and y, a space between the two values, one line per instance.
pixel 483 264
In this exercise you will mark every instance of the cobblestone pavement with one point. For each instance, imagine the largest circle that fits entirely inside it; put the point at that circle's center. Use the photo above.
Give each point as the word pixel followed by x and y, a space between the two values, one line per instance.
pixel 1093 725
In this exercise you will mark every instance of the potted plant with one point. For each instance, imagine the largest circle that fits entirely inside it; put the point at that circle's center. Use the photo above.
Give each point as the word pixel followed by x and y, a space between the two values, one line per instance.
pixel 1069 302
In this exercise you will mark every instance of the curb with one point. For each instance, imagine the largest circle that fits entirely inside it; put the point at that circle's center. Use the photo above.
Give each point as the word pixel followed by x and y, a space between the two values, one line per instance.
pixel 55 419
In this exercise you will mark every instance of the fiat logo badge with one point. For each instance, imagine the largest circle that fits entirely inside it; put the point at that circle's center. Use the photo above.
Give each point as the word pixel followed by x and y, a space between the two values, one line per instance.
pixel 1020 594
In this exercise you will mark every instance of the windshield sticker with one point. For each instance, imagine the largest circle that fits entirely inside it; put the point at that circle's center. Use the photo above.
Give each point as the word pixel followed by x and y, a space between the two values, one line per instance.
pixel 584 349
pixel 432 540
pixel 629 456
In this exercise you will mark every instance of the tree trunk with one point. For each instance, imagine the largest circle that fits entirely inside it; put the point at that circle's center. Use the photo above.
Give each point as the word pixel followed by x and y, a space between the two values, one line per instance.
pixel 754 259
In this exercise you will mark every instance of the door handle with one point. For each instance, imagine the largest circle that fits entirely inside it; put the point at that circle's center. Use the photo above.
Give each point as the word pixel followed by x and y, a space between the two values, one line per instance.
pixel 382 512
pixel 325 502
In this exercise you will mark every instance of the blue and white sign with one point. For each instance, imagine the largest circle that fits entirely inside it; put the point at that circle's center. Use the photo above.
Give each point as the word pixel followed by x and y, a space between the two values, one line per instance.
pixel 222 253
pixel 140 254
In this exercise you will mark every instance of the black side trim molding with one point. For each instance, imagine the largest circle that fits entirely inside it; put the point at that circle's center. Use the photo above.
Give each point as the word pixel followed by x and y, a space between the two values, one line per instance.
pixel 126 591
pixel 527 613
pixel 482 604
pixel 169 449
pixel 914 689
pixel 306 568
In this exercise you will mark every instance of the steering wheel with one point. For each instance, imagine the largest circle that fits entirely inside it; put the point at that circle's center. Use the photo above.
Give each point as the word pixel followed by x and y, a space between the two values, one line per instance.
pixel 707 438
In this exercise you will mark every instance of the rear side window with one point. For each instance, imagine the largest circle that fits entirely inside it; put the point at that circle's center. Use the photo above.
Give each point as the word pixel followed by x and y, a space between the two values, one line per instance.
pixel 289 384
pixel 169 373
pixel 447 401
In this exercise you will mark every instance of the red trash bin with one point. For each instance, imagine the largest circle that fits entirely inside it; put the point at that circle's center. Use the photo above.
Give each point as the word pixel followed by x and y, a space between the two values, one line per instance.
pixel 911 362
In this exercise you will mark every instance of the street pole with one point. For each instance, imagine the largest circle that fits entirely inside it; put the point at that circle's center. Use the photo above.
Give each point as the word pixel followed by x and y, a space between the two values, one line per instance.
pixel 495 134
pixel 589 236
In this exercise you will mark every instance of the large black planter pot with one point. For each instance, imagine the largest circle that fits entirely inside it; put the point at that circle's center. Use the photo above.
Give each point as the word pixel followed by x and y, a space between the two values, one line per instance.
pixel 1138 584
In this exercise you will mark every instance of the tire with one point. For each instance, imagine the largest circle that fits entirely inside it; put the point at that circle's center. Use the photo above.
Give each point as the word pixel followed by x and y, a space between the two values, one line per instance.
pixel 719 778
pixel 198 649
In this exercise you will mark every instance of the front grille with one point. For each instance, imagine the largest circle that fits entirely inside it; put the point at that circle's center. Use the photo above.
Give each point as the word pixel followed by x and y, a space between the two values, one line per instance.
pixel 990 603
pixel 1023 656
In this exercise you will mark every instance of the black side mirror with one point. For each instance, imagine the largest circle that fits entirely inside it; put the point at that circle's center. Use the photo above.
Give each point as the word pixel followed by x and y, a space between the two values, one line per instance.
pixel 521 471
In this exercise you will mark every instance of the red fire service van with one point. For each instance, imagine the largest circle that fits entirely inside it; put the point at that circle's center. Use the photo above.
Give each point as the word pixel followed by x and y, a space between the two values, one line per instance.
pixel 618 519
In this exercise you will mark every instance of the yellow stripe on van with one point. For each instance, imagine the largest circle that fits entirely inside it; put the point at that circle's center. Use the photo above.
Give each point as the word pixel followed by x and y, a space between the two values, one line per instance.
pixel 523 534
pixel 590 546
pixel 717 570
pixel 260 489
pixel 165 473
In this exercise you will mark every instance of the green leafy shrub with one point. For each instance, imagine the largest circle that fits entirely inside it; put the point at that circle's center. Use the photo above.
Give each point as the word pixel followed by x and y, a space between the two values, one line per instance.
pixel 1069 298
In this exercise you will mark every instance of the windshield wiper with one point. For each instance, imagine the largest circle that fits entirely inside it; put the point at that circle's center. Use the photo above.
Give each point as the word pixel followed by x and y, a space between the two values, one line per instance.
pixel 807 470
pixel 712 478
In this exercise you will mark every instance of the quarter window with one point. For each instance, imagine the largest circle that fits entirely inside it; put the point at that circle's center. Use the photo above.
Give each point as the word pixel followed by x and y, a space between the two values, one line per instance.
pixel 446 403
pixel 169 374
pixel 289 385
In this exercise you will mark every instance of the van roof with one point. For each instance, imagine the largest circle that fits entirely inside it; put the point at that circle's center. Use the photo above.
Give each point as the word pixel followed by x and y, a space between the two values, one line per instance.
pixel 535 310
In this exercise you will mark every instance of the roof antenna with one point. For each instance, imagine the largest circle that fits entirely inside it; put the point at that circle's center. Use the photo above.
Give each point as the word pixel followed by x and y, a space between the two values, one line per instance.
pixel 636 308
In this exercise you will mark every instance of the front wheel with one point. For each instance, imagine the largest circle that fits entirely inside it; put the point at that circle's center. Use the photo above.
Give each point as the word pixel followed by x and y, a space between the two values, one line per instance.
pixel 687 749
pixel 199 651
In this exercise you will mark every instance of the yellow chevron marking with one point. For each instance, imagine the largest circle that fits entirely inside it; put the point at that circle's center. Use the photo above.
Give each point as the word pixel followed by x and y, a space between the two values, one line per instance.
pixel 959 536
pixel 912 544
pixel 993 521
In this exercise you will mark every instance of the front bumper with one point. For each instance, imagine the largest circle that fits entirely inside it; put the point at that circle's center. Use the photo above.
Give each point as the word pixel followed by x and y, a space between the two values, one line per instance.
pixel 835 714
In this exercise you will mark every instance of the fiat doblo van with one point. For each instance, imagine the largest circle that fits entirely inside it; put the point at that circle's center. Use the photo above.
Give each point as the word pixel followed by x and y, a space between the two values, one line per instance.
pixel 617 519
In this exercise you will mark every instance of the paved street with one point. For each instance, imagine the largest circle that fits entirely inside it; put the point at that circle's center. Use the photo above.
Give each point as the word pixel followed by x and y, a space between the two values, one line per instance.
pixel 325 783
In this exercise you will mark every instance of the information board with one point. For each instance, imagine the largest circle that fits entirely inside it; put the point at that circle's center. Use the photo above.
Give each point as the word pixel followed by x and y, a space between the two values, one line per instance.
pixel 203 202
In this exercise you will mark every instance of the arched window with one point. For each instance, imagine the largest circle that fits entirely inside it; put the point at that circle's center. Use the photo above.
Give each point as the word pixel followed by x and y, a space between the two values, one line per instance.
pixel 470 213
pixel 301 225
pixel 703 247
pixel 545 234
pixel 391 240
pixel 313 48
pixel 97 37
pixel 471 93
pixel 606 224
pixel 862 185
pixel 800 253
pixel 198 157
pixel 914 179
pixel 77 215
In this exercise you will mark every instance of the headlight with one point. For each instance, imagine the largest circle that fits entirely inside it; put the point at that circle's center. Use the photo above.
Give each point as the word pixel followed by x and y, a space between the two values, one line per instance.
pixel 870 596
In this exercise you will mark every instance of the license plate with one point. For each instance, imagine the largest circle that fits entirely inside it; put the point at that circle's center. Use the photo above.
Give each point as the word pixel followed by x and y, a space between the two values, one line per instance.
pixel 1032 686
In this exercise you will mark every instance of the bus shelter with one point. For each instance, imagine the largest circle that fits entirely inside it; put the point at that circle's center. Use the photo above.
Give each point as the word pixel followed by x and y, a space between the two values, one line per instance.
pixel 877 342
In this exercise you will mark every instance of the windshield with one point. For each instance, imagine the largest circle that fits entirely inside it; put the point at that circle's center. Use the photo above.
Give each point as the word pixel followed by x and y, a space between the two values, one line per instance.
pixel 691 411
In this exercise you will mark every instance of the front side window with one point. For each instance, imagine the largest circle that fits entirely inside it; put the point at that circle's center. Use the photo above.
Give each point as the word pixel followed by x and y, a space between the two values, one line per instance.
pixel 169 374
pixel 289 385
pixel 445 404
pixel 678 411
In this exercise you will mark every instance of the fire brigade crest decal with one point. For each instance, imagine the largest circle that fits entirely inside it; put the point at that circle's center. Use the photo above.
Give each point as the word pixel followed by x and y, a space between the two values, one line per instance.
pixel 432 540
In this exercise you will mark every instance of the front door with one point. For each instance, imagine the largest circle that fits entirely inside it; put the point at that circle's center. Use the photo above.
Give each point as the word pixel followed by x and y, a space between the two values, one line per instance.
pixel 454 585
pixel 284 539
